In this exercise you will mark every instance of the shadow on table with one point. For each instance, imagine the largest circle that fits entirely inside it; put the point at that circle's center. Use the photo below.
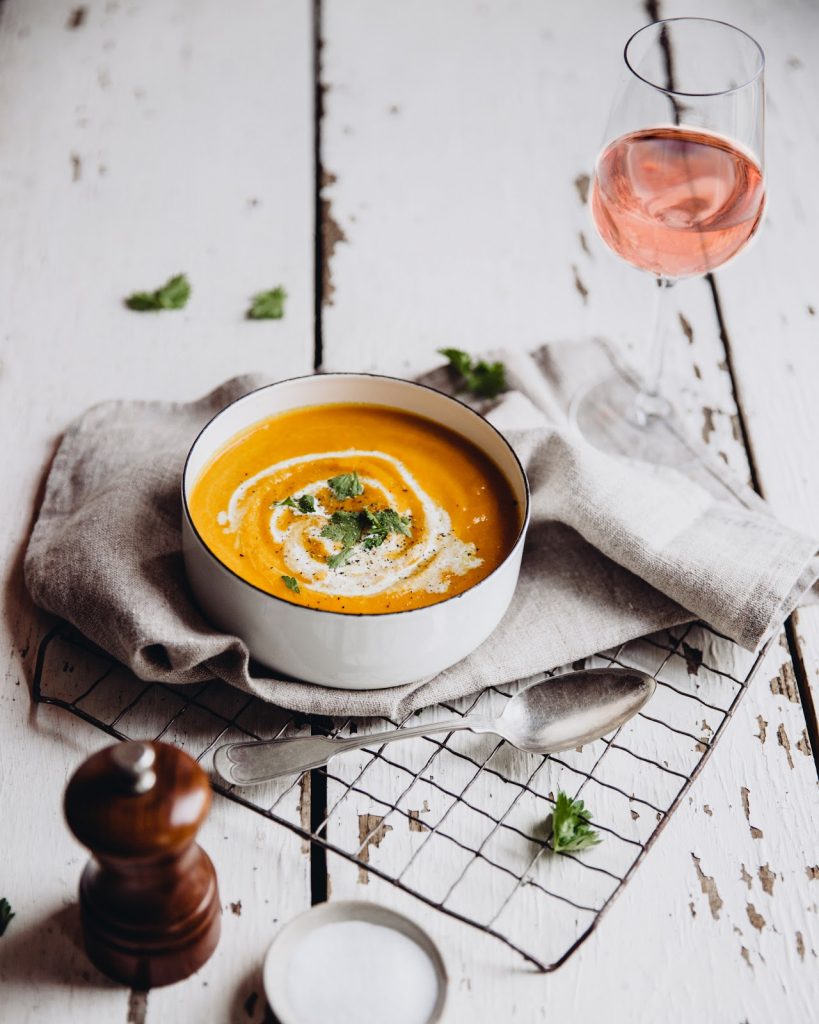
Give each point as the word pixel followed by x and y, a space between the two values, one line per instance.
pixel 48 951
pixel 249 1005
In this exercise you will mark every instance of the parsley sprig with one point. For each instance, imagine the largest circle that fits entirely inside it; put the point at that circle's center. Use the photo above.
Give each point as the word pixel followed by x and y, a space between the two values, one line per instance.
pixel 381 523
pixel 570 825
pixel 347 485
pixel 6 914
pixel 291 583
pixel 174 294
pixel 304 503
pixel 345 528
pixel 368 526
pixel 268 305
pixel 484 379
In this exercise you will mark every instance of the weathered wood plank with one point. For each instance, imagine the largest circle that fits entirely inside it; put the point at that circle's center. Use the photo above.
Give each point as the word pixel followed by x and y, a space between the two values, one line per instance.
pixel 455 152
pixel 770 297
pixel 138 141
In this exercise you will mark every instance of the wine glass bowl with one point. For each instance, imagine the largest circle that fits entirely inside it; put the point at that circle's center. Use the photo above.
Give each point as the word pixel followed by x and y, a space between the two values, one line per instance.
pixel 677 202
pixel 678 189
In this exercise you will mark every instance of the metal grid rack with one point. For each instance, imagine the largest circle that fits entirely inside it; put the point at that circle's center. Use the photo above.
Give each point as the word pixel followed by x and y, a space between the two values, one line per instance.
pixel 474 837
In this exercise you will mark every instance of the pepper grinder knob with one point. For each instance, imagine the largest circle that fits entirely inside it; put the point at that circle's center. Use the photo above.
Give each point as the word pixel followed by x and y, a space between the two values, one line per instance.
pixel 149 899
pixel 136 761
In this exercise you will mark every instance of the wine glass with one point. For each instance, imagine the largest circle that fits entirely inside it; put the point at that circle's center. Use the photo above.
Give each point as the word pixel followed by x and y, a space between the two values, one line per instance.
pixel 678 190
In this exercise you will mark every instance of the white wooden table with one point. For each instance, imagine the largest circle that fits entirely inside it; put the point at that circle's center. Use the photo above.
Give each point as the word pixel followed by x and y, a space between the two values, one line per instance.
pixel 437 199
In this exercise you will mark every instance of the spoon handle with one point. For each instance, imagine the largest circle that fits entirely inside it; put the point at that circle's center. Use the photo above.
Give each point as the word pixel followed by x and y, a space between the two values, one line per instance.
pixel 255 761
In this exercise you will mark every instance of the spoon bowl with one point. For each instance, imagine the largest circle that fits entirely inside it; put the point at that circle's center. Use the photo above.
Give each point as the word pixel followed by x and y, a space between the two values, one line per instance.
pixel 555 714
pixel 565 711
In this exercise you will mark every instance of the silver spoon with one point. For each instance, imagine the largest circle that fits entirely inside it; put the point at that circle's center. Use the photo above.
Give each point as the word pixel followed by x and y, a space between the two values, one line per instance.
pixel 552 715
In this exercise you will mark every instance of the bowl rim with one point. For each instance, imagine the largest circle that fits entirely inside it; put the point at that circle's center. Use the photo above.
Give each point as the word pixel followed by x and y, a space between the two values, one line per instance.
pixel 360 375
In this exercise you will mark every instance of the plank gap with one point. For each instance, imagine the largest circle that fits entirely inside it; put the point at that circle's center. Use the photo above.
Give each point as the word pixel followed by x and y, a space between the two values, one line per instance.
pixel 319 888
pixel 803 686
pixel 725 338
pixel 319 255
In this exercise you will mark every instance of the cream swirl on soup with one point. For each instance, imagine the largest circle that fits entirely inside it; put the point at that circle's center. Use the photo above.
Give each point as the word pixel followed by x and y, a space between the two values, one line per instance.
pixel 423 560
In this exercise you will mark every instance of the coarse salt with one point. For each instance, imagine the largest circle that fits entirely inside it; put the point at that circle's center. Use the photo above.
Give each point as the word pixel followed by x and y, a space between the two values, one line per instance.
pixel 355 972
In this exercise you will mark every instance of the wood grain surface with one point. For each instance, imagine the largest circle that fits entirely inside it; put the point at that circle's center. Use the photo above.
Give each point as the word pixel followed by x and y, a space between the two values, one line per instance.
pixel 439 200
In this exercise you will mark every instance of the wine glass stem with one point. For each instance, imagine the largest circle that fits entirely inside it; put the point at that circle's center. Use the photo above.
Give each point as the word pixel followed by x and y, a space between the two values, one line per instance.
pixel 649 403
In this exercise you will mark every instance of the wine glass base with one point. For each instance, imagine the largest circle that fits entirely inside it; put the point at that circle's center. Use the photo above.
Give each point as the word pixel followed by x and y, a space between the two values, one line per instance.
pixel 614 417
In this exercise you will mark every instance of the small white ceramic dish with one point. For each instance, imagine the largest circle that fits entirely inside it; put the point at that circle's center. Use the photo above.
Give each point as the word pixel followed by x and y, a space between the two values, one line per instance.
pixel 351 651
pixel 309 974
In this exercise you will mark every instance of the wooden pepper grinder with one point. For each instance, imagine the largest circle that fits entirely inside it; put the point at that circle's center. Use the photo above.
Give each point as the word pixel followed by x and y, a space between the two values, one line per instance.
pixel 148 897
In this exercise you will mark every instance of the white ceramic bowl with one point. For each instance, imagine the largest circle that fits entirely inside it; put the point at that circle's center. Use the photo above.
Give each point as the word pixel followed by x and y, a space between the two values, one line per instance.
pixel 355 652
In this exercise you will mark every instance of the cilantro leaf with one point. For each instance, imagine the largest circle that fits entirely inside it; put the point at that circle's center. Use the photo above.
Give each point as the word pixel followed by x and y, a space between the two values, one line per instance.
pixel 345 528
pixel 6 914
pixel 304 503
pixel 291 583
pixel 268 305
pixel 570 825
pixel 368 526
pixel 347 485
pixel 459 360
pixel 174 294
pixel 381 523
pixel 481 378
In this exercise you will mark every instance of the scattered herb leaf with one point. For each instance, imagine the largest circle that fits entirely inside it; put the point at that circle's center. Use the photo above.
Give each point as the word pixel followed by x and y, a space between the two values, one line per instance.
pixel 268 305
pixel 6 914
pixel 481 378
pixel 347 485
pixel 174 294
pixel 304 503
pixel 291 583
pixel 570 825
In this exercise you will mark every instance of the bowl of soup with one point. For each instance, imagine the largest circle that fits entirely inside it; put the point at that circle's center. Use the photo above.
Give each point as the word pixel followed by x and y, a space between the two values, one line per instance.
pixel 356 531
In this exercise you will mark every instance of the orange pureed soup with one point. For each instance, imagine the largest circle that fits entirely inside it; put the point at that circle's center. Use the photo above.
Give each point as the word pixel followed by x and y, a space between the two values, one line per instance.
pixel 355 508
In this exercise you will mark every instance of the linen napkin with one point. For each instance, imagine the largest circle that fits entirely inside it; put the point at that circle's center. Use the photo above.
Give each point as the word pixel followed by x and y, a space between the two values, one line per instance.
pixel 616 549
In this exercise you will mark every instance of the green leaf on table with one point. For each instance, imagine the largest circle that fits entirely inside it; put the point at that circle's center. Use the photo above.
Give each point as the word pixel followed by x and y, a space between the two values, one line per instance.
pixel 347 485
pixel 174 294
pixel 6 914
pixel 268 305
pixel 570 825
pixel 486 380
pixel 291 583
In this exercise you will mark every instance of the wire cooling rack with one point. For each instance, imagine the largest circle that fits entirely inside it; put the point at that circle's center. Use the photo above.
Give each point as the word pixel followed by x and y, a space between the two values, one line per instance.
pixel 460 823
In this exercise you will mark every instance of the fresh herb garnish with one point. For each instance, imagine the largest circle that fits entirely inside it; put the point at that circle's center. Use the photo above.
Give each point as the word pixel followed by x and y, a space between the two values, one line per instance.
pixel 268 305
pixel 174 294
pixel 291 583
pixel 570 825
pixel 344 527
pixel 304 503
pixel 381 523
pixel 481 378
pixel 347 485
pixel 371 526
pixel 6 914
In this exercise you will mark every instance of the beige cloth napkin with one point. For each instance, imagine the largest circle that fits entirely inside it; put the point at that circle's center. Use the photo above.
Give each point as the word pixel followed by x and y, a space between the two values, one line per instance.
pixel 615 549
